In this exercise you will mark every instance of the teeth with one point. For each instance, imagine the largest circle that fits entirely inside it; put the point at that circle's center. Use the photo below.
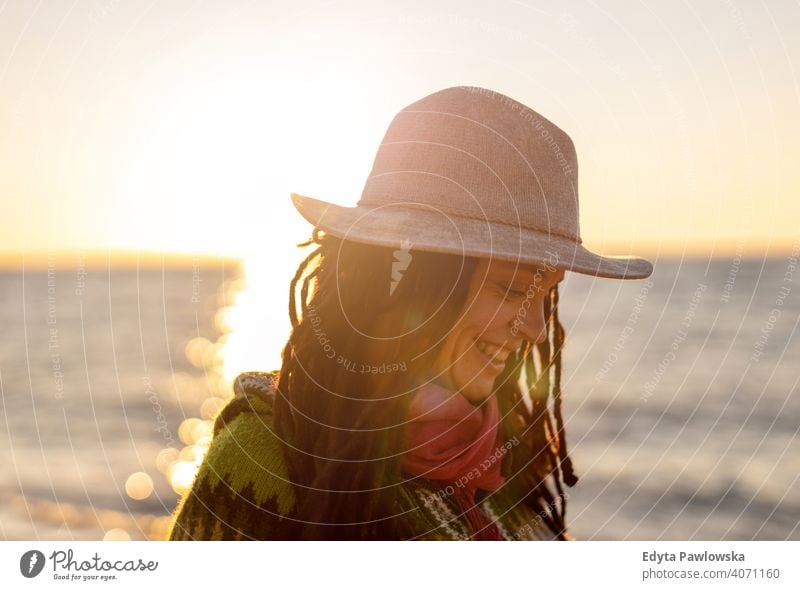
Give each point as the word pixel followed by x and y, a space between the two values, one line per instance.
pixel 497 354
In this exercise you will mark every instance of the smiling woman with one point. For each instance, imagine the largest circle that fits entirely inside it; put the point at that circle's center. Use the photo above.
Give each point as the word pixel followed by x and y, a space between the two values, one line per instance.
pixel 501 294
pixel 444 280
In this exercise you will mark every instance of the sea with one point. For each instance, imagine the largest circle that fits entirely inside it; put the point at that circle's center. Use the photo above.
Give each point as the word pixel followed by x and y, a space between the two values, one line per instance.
pixel 681 398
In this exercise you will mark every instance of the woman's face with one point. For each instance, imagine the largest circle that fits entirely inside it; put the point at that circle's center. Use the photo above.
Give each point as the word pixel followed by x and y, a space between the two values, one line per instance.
pixel 505 306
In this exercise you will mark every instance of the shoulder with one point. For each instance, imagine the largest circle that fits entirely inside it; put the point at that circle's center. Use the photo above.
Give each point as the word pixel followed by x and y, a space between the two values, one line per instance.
pixel 253 393
pixel 242 487
pixel 255 382
pixel 245 448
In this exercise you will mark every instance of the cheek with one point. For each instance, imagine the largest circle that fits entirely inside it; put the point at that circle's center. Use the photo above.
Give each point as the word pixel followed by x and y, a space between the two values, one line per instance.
pixel 481 319
pixel 512 309
pixel 490 313
pixel 500 315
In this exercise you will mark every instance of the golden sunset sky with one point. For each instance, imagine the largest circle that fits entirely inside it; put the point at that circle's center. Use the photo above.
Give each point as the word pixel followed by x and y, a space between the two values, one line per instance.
pixel 179 127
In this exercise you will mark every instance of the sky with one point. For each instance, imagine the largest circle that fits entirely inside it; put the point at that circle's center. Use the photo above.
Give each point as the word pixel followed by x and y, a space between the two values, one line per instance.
pixel 183 127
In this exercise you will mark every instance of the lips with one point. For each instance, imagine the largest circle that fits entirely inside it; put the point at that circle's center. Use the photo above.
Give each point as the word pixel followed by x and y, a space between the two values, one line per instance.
pixel 494 354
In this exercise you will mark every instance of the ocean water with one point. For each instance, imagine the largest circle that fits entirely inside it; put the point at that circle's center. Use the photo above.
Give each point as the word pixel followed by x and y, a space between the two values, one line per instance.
pixel 681 404
pixel 96 381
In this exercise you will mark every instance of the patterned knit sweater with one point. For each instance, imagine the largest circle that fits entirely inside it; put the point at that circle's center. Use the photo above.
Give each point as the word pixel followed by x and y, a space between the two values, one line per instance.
pixel 242 489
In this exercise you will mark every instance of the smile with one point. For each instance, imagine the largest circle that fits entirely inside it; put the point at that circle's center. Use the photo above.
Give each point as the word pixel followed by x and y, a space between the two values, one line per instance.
pixel 495 355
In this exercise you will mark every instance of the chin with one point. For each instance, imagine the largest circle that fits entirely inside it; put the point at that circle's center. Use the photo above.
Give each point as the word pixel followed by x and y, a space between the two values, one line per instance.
pixel 479 388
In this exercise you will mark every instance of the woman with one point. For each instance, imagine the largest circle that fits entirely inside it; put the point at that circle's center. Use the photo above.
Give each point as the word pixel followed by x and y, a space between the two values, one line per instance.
pixel 413 398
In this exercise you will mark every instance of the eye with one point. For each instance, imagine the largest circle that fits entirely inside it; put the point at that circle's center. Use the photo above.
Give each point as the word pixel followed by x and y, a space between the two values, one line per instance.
pixel 511 294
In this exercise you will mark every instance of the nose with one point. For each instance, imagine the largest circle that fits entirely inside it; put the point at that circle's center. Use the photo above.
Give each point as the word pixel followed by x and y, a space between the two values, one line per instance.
pixel 531 324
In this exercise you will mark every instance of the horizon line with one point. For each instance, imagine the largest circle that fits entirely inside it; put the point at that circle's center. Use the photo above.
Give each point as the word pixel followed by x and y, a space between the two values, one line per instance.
pixel 121 258
pixel 118 259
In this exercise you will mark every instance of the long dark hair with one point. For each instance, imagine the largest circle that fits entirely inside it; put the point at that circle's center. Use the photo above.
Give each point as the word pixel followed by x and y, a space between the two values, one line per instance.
pixel 366 335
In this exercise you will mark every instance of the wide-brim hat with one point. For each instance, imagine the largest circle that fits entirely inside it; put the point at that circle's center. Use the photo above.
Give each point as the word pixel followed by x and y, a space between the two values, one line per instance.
pixel 471 171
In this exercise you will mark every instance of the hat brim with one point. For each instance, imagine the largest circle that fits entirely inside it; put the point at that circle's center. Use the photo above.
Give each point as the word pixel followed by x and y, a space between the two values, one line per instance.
pixel 395 226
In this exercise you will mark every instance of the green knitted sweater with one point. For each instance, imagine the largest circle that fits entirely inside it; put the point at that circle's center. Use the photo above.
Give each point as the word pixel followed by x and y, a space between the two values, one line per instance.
pixel 242 489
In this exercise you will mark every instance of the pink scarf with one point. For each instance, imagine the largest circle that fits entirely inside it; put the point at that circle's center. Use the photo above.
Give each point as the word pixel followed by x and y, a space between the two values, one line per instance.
pixel 458 445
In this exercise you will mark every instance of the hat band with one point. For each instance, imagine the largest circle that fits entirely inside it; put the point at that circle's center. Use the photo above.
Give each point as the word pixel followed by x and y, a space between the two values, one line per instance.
pixel 470 215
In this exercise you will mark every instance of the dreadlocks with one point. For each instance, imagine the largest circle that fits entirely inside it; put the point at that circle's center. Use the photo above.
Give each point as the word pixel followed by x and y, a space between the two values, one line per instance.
pixel 544 455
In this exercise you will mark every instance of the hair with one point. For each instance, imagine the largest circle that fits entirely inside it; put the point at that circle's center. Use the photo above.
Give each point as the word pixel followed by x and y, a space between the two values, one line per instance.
pixel 357 350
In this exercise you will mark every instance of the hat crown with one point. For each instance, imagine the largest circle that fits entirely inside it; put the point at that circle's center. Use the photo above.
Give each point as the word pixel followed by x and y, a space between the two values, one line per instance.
pixel 472 152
